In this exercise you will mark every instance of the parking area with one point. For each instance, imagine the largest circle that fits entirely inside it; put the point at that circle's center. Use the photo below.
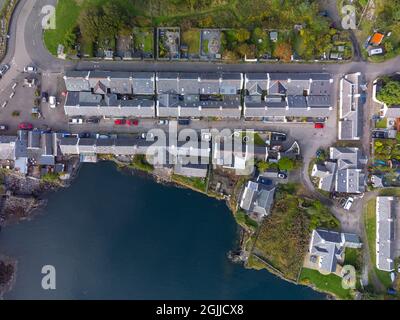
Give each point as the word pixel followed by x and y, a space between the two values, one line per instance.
pixel 21 101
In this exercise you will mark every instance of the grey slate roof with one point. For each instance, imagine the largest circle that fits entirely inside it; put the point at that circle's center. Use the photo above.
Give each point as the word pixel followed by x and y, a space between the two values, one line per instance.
pixel 41 147
pixel 349 104
pixel 288 95
pixel 392 112
pixel 326 174
pixel 199 83
pixel 349 177
pixel 109 105
pixel 125 146
pixel 110 94
pixel 386 215
pixel 258 198
pixel 329 246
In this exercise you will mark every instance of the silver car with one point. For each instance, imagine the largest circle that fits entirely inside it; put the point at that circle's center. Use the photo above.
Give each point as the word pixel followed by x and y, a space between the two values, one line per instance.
pixel 3 69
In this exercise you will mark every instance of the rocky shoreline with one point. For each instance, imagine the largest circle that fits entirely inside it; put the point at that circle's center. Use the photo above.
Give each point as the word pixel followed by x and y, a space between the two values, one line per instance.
pixel 21 199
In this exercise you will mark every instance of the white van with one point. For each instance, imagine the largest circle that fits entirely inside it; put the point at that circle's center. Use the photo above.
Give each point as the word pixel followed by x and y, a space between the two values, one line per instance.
pixel 52 102
pixel 348 203
pixel 374 52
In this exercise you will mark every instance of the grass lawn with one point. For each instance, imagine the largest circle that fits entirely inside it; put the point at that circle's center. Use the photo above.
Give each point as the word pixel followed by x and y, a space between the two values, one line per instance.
pixel 327 283
pixel 254 137
pixel 67 13
pixel 144 39
pixel 191 38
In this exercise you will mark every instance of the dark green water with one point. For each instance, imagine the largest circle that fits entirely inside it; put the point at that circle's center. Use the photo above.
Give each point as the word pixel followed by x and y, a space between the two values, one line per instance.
pixel 112 236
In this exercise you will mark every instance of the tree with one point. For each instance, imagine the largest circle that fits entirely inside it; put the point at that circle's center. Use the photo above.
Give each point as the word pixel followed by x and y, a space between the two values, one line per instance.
pixel 390 93
pixel 242 35
pixel 262 165
pixel 283 51
pixel 286 163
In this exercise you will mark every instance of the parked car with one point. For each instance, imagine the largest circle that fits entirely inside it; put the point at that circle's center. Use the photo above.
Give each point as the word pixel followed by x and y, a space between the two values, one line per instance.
pixel 163 122
pixel 92 120
pixel 3 127
pixel 379 134
pixel 84 135
pixel 282 175
pixel 348 203
pixel 318 125
pixel 120 122
pixel 52 102
pixel 102 136
pixel 276 136
pixel 25 126
pixel 75 121
pixel 3 69
pixel 147 135
pixel 30 69
pixel 184 122
pixel 133 122
pixel 45 97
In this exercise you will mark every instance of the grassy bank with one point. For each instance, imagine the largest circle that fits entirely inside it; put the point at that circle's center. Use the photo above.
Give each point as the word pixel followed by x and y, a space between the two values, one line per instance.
pixel 197 184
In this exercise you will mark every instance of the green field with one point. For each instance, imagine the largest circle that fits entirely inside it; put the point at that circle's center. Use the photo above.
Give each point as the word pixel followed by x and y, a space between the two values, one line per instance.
pixel 144 39
pixel 326 283
pixel 67 14
pixel 191 38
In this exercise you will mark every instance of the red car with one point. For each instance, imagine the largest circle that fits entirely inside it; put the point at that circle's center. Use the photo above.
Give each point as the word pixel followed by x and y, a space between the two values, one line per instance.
pixel 25 126
pixel 318 125
pixel 133 122
pixel 120 122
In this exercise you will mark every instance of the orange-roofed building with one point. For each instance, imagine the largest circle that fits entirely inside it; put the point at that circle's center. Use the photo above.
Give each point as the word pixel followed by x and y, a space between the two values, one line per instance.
pixel 376 39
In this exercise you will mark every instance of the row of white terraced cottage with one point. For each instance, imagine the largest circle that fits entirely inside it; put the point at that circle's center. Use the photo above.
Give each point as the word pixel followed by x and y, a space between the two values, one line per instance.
pixel 270 96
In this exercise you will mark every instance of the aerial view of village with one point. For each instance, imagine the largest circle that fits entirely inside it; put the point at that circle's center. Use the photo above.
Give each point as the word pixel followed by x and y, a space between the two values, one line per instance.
pixel 287 111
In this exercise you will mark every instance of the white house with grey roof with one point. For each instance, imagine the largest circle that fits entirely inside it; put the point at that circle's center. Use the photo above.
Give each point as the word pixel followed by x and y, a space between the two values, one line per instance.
pixel 327 249
pixel 110 94
pixel 258 197
pixel 343 172
pixel 349 104
pixel 280 96
pixel 387 209
pixel 197 95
